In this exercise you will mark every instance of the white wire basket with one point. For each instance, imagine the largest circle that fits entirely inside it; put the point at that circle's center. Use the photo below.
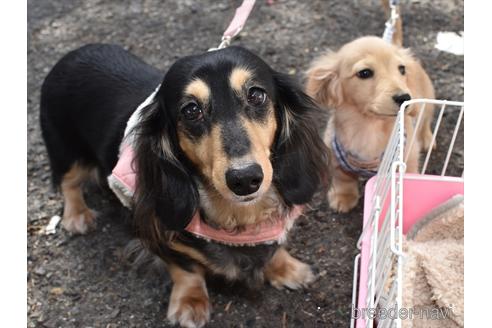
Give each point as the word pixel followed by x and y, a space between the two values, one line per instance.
pixel 393 201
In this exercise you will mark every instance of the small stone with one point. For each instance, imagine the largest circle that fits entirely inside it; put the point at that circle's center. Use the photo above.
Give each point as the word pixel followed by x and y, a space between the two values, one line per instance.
pixel 40 271
pixel 123 294
pixel 114 313
pixel 51 323
pixel 74 295
pixel 148 302
pixel 320 297
pixel 75 311
pixel 56 291
pixel 41 318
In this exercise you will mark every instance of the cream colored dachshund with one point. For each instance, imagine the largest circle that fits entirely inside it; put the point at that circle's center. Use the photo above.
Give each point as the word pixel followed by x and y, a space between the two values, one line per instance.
pixel 363 85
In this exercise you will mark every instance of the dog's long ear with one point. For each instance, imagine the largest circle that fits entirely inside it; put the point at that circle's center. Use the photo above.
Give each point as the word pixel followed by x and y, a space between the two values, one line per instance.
pixel 166 196
pixel 323 82
pixel 300 157
pixel 416 79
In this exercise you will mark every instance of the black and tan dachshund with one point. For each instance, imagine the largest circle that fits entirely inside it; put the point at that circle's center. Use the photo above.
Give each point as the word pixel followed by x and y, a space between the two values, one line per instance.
pixel 225 136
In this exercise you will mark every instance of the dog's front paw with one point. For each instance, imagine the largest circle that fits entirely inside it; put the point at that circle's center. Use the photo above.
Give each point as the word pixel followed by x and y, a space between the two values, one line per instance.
pixel 191 310
pixel 342 202
pixel 80 222
pixel 297 277
pixel 286 271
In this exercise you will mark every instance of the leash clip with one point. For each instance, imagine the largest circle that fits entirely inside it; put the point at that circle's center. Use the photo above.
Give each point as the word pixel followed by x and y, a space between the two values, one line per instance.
pixel 391 22
pixel 224 42
pixel 236 25
pixel 394 15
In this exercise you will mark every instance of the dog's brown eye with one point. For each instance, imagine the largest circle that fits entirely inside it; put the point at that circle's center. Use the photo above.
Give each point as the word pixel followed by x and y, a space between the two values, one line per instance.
pixel 365 73
pixel 192 112
pixel 401 68
pixel 256 96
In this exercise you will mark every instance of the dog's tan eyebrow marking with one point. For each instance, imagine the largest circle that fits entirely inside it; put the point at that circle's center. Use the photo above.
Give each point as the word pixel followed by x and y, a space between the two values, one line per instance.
pixel 199 90
pixel 239 77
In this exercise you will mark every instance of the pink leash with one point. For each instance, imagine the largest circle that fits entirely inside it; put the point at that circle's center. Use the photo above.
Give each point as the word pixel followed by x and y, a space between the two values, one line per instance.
pixel 237 23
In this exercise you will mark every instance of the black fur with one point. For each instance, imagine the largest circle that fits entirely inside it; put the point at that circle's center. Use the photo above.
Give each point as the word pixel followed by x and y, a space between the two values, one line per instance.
pixel 300 160
pixel 165 188
pixel 86 101
pixel 89 95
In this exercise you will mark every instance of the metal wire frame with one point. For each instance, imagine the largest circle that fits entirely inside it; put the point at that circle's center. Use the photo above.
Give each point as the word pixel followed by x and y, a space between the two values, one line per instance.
pixel 386 254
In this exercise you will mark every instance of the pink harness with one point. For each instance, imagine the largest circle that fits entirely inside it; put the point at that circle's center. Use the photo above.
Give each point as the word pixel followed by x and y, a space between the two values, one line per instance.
pixel 123 180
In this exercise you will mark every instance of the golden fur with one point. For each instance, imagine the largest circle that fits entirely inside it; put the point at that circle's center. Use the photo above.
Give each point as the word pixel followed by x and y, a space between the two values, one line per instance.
pixel 285 271
pixel 230 272
pixel 363 110
pixel 230 216
pixel 199 90
pixel 238 78
pixel 77 217
pixel 189 303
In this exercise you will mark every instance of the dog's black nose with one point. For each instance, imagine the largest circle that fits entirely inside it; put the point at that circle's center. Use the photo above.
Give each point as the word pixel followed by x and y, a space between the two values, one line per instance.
pixel 245 181
pixel 401 98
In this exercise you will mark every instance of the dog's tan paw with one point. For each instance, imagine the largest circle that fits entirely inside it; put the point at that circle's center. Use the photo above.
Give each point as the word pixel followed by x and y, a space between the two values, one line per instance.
pixel 79 223
pixel 192 310
pixel 286 271
pixel 342 202
pixel 298 277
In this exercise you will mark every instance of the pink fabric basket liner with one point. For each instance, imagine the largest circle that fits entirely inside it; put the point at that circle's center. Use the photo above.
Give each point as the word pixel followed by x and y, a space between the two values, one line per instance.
pixel 421 193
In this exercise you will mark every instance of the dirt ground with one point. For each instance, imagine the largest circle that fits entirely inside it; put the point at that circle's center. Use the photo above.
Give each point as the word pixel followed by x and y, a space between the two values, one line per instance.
pixel 81 281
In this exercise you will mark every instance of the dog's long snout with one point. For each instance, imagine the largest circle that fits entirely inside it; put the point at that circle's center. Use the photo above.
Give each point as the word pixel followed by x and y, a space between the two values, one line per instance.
pixel 401 98
pixel 246 180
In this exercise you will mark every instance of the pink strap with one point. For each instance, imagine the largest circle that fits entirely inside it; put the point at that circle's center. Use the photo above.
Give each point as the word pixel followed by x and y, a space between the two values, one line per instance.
pixel 237 23
pixel 252 235
pixel 123 171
